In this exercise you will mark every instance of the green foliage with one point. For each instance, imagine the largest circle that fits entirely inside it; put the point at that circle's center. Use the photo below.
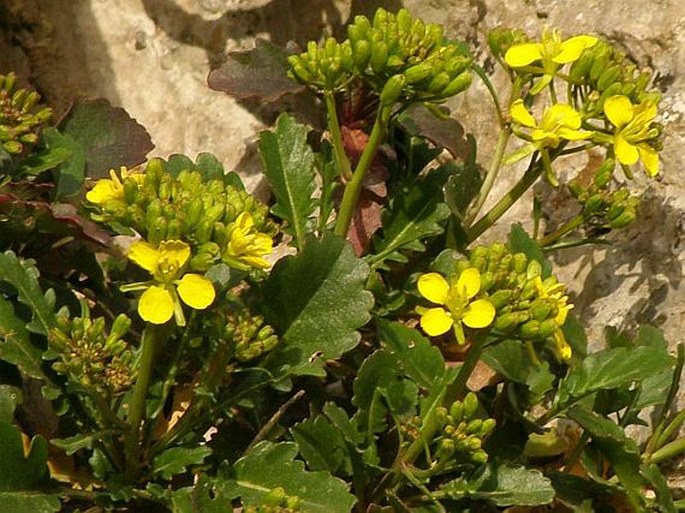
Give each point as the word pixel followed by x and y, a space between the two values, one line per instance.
pixel 317 301
pixel 268 467
pixel 289 169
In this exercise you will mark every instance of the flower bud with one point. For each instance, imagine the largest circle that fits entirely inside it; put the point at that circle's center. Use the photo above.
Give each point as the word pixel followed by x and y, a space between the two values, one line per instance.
pixel 470 405
pixel 479 457
pixel 474 426
pixel 392 90
pixel 608 77
pixel 457 411
pixel 361 54
pixel 418 73
pixel 487 427
pixel 379 56
pixel 438 83
pixel 529 329
pixel 624 219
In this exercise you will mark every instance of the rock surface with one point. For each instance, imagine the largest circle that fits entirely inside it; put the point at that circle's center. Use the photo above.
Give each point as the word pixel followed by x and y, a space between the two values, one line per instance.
pixel 152 57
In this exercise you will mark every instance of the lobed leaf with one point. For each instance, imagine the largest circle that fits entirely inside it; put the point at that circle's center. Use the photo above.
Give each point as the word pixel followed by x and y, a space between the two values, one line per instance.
pixel 269 466
pixel 177 459
pixel 317 301
pixel 289 170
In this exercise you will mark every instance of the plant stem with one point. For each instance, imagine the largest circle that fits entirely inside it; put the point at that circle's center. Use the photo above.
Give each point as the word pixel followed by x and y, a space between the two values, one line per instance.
pixel 668 451
pixel 565 228
pixel 491 175
pixel 341 161
pixel 348 205
pixel 527 180
pixel 491 89
pixel 153 336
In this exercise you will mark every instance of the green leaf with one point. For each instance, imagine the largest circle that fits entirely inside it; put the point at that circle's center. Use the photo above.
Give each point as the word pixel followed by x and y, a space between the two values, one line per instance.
pixel 504 486
pixel 270 466
pixel 207 496
pixel 23 275
pixel 15 344
pixel 613 368
pixel 420 360
pixel 29 502
pixel 289 169
pixel 9 398
pixel 108 135
pixel 521 242
pixel 19 472
pixel 175 460
pixel 317 301
pixel 619 450
pixel 43 161
pixel 381 389
pixel 322 445
pixel 416 212
pixel 71 172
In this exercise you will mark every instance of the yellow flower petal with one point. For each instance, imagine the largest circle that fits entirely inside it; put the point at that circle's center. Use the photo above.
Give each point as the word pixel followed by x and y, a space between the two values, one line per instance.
pixel 156 305
pixel 573 47
pixel 244 221
pixel 626 153
pixel 196 291
pixel 522 55
pixel 650 159
pixel 479 314
pixel 520 114
pixel 619 110
pixel 175 252
pixel 434 288
pixel 561 347
pixel 469 282
pixel 561 115
pixel 104 191
pixel 145 255
pixel 436 321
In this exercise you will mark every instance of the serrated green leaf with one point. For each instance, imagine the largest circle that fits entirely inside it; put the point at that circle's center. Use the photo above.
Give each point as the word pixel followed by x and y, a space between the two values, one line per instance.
pixel 521 242
pixel 177 459
pixel 619 450
pixel 24 277
pixel 416 212
pixel 381 389
pixel 420 360
pixel 343 424
pixel 72 172
pixel 504 486
pixel 322 445
pixel 43 161
pixel 17 471
pixel 613 368
pixel 209 166
pixel 317 301
pixel 289 170
pixel 268 466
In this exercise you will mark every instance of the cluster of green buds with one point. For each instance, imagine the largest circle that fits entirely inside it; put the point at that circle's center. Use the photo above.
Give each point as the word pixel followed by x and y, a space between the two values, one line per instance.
pixel 501 39
pixel 462 433
pixel 21 117
pixel 398 56
pixel 603 71
pixel 528 306
pixel 250 336
pixel 220 222
pixel 276 501
pixel 602 207
pixel 90 356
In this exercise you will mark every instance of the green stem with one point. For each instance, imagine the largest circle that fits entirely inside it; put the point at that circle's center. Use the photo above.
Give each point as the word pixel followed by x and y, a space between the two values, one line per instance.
pixel 565 228
pixel 153 336
pixel 491 175
pixel 348 205
pixel 341 161
pixel 668 451
pixel 527 180
pixel 491 89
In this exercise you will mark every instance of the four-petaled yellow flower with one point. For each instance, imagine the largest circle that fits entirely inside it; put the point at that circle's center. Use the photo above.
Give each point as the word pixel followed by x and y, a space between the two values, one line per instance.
pixel 160 302
pixel 633 130
pixel 246 247
pixel 456 297
pixel 112 188
pixel 552 53
pixel 559 121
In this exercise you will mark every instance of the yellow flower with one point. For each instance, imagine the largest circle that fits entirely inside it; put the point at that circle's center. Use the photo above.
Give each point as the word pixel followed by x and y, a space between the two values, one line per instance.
pixel 552 53
pixel 159 302
pixel 112 188
pixel 457 298
pixel 559 121
pixel 561 348
pixel 246 247
pixel 633 130
pixel 553 290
